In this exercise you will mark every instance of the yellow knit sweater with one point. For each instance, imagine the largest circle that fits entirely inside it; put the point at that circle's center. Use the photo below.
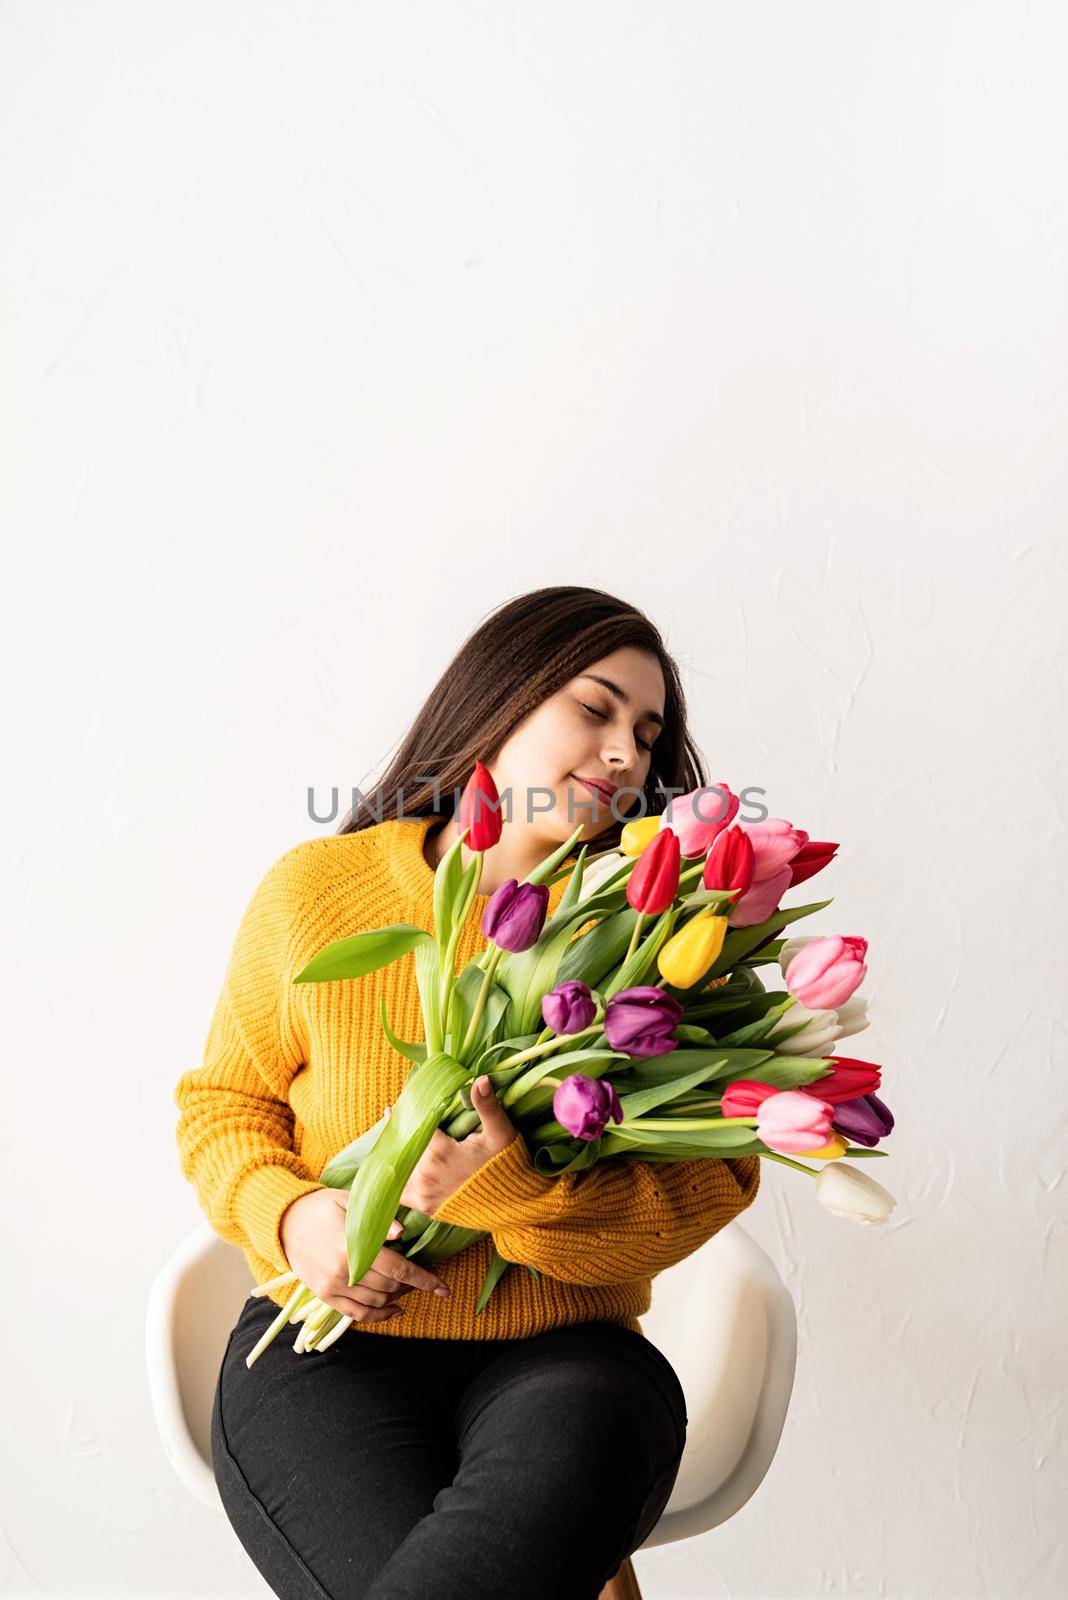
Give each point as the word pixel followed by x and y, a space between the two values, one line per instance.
pixel 294 1072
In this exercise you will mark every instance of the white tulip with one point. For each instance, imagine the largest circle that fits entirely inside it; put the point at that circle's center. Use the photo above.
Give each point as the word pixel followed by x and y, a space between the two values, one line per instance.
pixel 820 1029
pixel 597 872
pixel 845 1192
pixel 852 1016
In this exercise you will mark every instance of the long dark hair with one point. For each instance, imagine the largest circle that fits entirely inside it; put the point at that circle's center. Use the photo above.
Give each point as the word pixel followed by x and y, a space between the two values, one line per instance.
pixel 522 653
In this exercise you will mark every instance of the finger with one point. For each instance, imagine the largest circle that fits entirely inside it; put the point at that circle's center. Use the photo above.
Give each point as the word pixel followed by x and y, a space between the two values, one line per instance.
pixel 405 1271
pixel 356 1302
pixel 390 1286
pixel 491 1113
pixel 396 1228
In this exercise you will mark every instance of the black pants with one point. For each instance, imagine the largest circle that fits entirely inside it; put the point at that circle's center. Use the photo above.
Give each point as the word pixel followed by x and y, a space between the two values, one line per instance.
pixel 443 1469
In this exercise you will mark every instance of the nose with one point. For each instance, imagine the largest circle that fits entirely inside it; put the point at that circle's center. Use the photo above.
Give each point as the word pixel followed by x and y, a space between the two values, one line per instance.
pixel 620 753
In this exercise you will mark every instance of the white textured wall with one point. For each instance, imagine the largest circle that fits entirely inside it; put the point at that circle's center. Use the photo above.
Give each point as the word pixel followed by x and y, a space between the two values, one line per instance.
pixel 328 327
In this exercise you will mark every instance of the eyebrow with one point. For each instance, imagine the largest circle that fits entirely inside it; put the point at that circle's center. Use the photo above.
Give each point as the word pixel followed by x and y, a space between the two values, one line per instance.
pixel 613 688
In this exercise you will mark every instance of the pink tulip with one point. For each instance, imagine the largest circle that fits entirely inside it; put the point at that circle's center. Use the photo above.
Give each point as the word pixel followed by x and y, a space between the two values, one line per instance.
pixel 758 903
pixel 699 817
pixel 826 972
pixel 775 844
pixel 794 1124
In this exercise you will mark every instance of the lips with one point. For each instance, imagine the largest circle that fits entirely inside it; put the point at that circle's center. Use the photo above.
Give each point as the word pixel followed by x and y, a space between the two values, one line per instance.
pixel 605 790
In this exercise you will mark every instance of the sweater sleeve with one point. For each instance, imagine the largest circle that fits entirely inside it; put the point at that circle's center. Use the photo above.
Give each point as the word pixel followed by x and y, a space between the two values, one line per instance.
pixel 615 1221
pixel 235 1129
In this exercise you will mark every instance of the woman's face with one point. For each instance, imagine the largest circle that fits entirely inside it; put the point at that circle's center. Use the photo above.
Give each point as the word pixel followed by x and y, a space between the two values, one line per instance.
pixel 584 730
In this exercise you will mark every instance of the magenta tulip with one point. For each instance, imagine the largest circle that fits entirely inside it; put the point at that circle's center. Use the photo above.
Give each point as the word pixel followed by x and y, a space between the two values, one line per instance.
pixel 865 1120
pixel 515 915
pixel 569 1007
pixel 584 1105
pixel 640 1021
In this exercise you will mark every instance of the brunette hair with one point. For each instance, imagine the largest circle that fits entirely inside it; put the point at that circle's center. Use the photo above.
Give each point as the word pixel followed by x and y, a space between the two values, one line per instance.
pixel 522 653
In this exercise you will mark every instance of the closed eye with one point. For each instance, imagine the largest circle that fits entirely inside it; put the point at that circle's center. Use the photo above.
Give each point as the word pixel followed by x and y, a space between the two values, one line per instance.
pixel 601 717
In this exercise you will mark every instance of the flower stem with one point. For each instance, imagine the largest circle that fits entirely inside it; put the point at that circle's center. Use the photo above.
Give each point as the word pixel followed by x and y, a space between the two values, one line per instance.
pixel 771 1155
pixel 476 1015
pixel 296 1300
pixel 636 934
pixel 685 1124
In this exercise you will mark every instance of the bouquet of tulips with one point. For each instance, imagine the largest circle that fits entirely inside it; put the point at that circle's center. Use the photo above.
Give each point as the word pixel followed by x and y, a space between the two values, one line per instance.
pixel 633 1022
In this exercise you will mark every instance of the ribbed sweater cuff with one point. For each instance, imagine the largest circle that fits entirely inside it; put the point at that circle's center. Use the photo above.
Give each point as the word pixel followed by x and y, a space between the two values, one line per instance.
pixel 262 1197
pixel 507 1190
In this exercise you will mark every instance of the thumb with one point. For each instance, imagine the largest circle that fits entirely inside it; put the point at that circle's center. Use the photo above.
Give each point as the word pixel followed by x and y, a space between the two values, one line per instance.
pixel 490 1111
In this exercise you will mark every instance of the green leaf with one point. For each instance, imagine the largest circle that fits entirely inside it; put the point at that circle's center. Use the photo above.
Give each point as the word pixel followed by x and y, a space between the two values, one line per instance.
pixel 342 1168
pixel 448 880
pixel 546 868
pixel 426 1237
pixel 529 974
pixel 567 1155
pixel 859 1153
pixel 411 1051
pixel 428 980
pixel 495 1272
pixel 683 1146
pixel 574 883
pixel 718 1062
pixel 465 993
pixel 740 942
pixel 384 1171
pixel 595 953
pixel 637 1104
pixel 756 1032
pixel 521 1101
pixel 709 897
pixel 362 953
pixel 785 1072
pixel 635 966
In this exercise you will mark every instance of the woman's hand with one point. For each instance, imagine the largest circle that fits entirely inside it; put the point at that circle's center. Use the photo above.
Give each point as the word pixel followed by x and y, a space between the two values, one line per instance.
pixel 446 1162
pixel 313 1237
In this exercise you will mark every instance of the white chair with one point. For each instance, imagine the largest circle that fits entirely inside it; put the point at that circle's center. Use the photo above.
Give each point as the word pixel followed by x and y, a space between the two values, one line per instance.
pixel 723 1317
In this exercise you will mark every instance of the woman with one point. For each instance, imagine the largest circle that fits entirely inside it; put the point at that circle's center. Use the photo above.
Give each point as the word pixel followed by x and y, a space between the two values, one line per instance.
pixel 530 1449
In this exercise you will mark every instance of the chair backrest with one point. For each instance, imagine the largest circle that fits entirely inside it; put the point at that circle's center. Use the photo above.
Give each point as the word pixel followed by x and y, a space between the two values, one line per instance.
pixel 722 1316
pixel 192 1307
pixel 726 1322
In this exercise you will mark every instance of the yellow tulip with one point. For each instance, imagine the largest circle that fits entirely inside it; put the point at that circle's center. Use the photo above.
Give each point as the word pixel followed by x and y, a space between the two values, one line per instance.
pixel 689 953
pixel 835 1147
pixel 637 834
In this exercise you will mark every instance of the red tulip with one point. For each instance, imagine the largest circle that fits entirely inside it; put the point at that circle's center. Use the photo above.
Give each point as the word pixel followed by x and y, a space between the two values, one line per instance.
pixel 743 1096
pixel 480 810
pixel 847 1079
pixel 654 881
pixel 810 859
pixel 730 863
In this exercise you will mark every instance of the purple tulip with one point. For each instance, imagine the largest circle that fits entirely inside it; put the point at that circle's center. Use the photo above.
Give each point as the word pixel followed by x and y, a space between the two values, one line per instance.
pixel 584 1105
pixel 515 915
pixel 640 1021
pixel 569 1007
pixel 865 1120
